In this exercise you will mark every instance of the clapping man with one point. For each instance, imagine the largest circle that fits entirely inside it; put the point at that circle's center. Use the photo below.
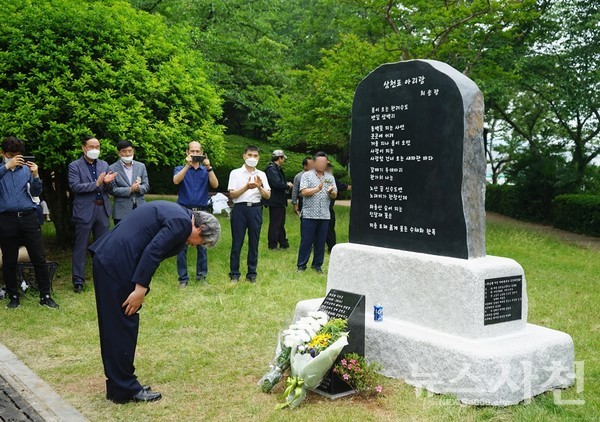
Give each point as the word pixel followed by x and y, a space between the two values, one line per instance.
pixel 130 184
pixel 89 180
pixel 317 188
pixel 247 187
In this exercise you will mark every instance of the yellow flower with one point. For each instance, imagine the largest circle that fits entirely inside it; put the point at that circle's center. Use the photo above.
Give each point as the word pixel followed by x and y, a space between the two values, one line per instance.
pixel 320 340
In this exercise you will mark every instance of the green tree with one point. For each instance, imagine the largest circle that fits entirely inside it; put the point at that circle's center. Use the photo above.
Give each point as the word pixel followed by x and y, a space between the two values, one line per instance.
pixel 247 58
pixel 316 110
pixel 558 83
pixel 471 36
pixel 72 68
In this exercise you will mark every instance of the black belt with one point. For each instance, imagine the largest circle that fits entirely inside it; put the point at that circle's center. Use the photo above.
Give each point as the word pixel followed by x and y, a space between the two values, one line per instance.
pixel 18 213
pixel 198 208
pixel 249 204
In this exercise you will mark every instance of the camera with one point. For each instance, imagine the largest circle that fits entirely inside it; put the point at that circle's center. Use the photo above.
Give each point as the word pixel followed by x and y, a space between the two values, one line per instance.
pixel 198 158
pixel 29 158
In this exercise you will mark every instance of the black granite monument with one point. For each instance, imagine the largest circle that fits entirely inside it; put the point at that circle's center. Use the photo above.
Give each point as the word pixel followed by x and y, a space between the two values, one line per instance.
pixel 407 154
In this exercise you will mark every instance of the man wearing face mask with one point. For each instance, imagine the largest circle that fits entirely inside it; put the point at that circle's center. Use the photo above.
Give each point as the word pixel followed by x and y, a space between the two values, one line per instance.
pixel 19 224
pixel 89 180
pixel 247 186
pixel 130 184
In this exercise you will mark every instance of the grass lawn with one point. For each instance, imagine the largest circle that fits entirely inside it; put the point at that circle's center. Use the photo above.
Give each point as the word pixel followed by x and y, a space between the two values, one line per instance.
pixel 205 348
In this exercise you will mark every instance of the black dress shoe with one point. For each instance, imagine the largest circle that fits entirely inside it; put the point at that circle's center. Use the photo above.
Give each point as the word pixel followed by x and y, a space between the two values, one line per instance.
pixel 251 279
pixel 144 395
pixel 78 288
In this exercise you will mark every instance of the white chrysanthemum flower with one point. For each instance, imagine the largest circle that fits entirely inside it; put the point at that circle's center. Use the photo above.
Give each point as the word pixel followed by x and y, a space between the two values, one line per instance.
pixel 291 340
pixel 318 315
pixel 311 322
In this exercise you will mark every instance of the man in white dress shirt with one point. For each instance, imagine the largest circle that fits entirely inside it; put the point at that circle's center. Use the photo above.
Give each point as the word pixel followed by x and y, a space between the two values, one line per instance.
pixel 247 186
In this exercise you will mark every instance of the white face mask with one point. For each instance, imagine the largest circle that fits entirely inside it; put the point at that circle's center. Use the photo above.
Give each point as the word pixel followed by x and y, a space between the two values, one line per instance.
pixel 6 159
pixel 127 160
pixel 93 154
pixel 251 162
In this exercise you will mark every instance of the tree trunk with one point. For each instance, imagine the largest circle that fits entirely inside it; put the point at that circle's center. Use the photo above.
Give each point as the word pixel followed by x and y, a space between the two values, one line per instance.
pixel 60 203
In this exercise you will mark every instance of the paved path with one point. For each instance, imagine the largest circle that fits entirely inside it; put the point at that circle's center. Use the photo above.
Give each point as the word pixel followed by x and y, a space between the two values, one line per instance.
pixel 26 397
pixel 587 242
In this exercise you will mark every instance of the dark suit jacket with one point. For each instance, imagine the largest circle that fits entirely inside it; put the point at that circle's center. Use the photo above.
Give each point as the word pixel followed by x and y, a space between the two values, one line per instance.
pixel 120 188
pixel 84 189
pixel 132 251
pixel 278 186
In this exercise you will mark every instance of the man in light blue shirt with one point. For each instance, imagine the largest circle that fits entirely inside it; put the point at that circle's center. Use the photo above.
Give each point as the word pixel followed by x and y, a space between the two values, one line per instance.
pixel 19 224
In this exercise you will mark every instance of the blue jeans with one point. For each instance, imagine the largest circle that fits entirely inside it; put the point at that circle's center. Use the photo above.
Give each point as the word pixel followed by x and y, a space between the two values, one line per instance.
pixel 313 234
pixel 201 263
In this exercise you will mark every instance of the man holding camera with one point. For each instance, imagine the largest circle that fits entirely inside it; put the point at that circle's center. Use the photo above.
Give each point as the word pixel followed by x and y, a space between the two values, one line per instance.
pixel 19 225
pixel 193 180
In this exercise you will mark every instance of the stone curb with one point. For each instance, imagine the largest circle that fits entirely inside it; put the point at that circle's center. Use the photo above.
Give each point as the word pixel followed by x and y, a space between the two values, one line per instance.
pixel 40 396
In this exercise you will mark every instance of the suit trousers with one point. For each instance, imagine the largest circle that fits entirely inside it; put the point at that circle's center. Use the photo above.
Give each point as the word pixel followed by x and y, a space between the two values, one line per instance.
pixel 331 236
pixel 313 234
pixel 277 234
pixel 244 218
pixel 97 226
pixel 23 231
pixel 118 333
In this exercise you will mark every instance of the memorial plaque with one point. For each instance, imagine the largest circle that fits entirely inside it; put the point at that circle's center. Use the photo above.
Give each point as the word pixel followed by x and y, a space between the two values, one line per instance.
pixel 503 299
pixel 417 162
pixel 350 306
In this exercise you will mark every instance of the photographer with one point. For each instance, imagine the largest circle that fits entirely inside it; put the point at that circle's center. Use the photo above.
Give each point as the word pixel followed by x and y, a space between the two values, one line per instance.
pixel 193 180
pixel 19 224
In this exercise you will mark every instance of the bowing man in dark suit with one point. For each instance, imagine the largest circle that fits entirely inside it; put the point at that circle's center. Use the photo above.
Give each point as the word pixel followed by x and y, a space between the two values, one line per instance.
pixel 124 262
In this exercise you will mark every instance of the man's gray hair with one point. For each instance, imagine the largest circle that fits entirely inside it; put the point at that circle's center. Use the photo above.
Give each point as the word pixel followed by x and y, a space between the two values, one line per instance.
pixel 211 229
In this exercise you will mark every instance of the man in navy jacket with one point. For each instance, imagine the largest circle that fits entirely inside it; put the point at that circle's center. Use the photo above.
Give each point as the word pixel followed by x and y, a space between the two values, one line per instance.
pixel 278 201
pixel 124 262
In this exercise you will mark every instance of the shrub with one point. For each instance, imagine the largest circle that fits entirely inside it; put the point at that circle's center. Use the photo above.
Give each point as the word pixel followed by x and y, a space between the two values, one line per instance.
pixel 578 213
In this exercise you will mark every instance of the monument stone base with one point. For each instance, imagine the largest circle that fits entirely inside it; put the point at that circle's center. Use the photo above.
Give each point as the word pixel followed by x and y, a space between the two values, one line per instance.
pixel 433 334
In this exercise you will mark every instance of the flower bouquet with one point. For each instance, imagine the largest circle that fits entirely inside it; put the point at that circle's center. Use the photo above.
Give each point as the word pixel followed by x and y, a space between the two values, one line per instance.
pixel 312 359
pixel 309 348
pixel 296 333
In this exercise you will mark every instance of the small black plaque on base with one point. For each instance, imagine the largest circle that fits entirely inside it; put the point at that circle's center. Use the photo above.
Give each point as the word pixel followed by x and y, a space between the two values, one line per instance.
pixel 503 299
pixel 350 306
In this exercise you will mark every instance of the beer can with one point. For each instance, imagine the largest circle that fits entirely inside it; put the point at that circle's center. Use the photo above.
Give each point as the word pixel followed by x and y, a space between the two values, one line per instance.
pixel 378 312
